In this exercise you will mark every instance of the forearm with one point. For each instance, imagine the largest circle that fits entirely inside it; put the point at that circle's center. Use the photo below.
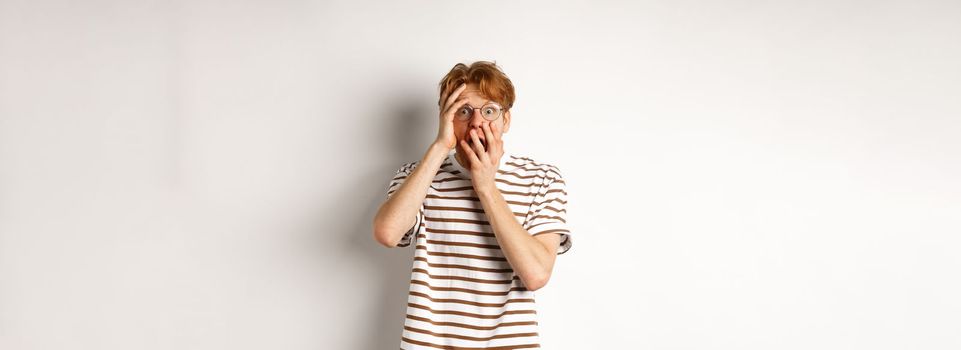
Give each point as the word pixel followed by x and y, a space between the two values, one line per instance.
pixel 530 259
pixel 395 215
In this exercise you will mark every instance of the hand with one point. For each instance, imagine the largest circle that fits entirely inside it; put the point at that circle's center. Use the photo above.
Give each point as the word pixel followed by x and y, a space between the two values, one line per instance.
pixel 484 163
pixel 449 106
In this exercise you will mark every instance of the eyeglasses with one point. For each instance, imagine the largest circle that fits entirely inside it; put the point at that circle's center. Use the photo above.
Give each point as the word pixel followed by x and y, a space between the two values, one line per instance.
pixel 490 111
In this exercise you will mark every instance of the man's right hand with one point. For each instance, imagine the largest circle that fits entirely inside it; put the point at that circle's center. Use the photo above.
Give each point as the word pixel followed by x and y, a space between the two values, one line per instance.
pixel 448 108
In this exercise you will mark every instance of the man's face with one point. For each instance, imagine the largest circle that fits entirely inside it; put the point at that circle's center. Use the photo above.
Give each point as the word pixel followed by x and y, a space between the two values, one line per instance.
pixel 462 127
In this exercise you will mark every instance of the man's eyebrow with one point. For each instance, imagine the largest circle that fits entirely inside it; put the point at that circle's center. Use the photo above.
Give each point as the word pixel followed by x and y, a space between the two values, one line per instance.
pixel 484 103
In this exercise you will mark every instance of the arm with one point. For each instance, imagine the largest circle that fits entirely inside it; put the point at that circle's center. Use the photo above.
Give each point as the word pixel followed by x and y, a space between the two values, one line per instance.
pixel 532 257
pixel 393 219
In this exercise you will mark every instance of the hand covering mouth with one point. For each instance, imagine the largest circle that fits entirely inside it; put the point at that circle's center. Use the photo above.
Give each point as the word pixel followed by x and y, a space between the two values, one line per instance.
pixel 470 142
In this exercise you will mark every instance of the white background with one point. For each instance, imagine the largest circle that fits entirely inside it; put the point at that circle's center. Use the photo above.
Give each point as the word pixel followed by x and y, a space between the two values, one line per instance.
pixel 742 174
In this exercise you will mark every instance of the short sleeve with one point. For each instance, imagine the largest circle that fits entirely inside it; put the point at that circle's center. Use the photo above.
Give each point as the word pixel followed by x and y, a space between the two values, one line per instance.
pixel 548 212
pixel 399 176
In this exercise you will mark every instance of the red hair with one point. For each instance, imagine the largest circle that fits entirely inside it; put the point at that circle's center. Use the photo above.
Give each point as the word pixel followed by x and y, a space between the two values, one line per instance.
pixel 490 79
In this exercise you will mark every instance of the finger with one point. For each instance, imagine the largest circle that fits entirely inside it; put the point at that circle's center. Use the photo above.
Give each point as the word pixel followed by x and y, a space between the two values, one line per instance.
pixel 456 104
pixel 470 153
pixel 493 140
pixel 481 152
pixel 453 95
pixel 479 146
pixel 489 134
pixel 449 97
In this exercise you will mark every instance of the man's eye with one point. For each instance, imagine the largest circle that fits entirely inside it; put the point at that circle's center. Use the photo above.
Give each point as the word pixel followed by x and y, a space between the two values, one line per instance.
pixel 489 111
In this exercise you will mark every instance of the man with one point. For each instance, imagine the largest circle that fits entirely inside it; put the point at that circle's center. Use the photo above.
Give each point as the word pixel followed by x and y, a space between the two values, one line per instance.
pixel 487 225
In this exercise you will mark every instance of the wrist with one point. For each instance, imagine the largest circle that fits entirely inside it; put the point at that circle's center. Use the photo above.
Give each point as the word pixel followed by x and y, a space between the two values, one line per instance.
pixel 438 146
pixel 487 192
pixel 436 152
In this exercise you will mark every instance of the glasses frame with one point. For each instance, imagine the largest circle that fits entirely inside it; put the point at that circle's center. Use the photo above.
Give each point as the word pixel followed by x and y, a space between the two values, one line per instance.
pixel 472 109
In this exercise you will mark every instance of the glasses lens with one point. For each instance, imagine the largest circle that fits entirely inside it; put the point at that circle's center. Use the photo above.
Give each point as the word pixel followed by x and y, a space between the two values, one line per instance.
pixel 491 111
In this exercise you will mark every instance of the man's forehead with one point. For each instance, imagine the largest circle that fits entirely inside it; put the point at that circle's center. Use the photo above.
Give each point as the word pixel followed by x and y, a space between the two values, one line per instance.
pixel 470 92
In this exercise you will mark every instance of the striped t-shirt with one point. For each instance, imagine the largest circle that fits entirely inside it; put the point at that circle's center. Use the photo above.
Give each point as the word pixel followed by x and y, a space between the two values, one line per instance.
pixel 463 292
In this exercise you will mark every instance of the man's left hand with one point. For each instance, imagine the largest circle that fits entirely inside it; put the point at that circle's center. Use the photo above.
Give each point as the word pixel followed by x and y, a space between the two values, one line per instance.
pixel 484 163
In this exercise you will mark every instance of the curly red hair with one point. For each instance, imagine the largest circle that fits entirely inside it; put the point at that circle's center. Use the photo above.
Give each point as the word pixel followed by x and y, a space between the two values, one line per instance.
pixel 490 79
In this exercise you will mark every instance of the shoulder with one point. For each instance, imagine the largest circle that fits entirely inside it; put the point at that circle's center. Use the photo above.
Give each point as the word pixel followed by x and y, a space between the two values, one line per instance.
pixel 523 163
pixel 408 167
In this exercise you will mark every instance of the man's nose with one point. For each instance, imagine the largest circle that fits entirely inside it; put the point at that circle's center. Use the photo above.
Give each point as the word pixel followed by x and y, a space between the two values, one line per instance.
pixel 477 119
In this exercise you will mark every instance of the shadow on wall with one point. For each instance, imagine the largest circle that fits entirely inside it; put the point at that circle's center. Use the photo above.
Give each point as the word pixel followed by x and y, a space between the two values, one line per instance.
pixel 406 134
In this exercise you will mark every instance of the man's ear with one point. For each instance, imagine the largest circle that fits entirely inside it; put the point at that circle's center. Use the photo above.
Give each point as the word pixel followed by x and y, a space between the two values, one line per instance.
pixel 507 122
